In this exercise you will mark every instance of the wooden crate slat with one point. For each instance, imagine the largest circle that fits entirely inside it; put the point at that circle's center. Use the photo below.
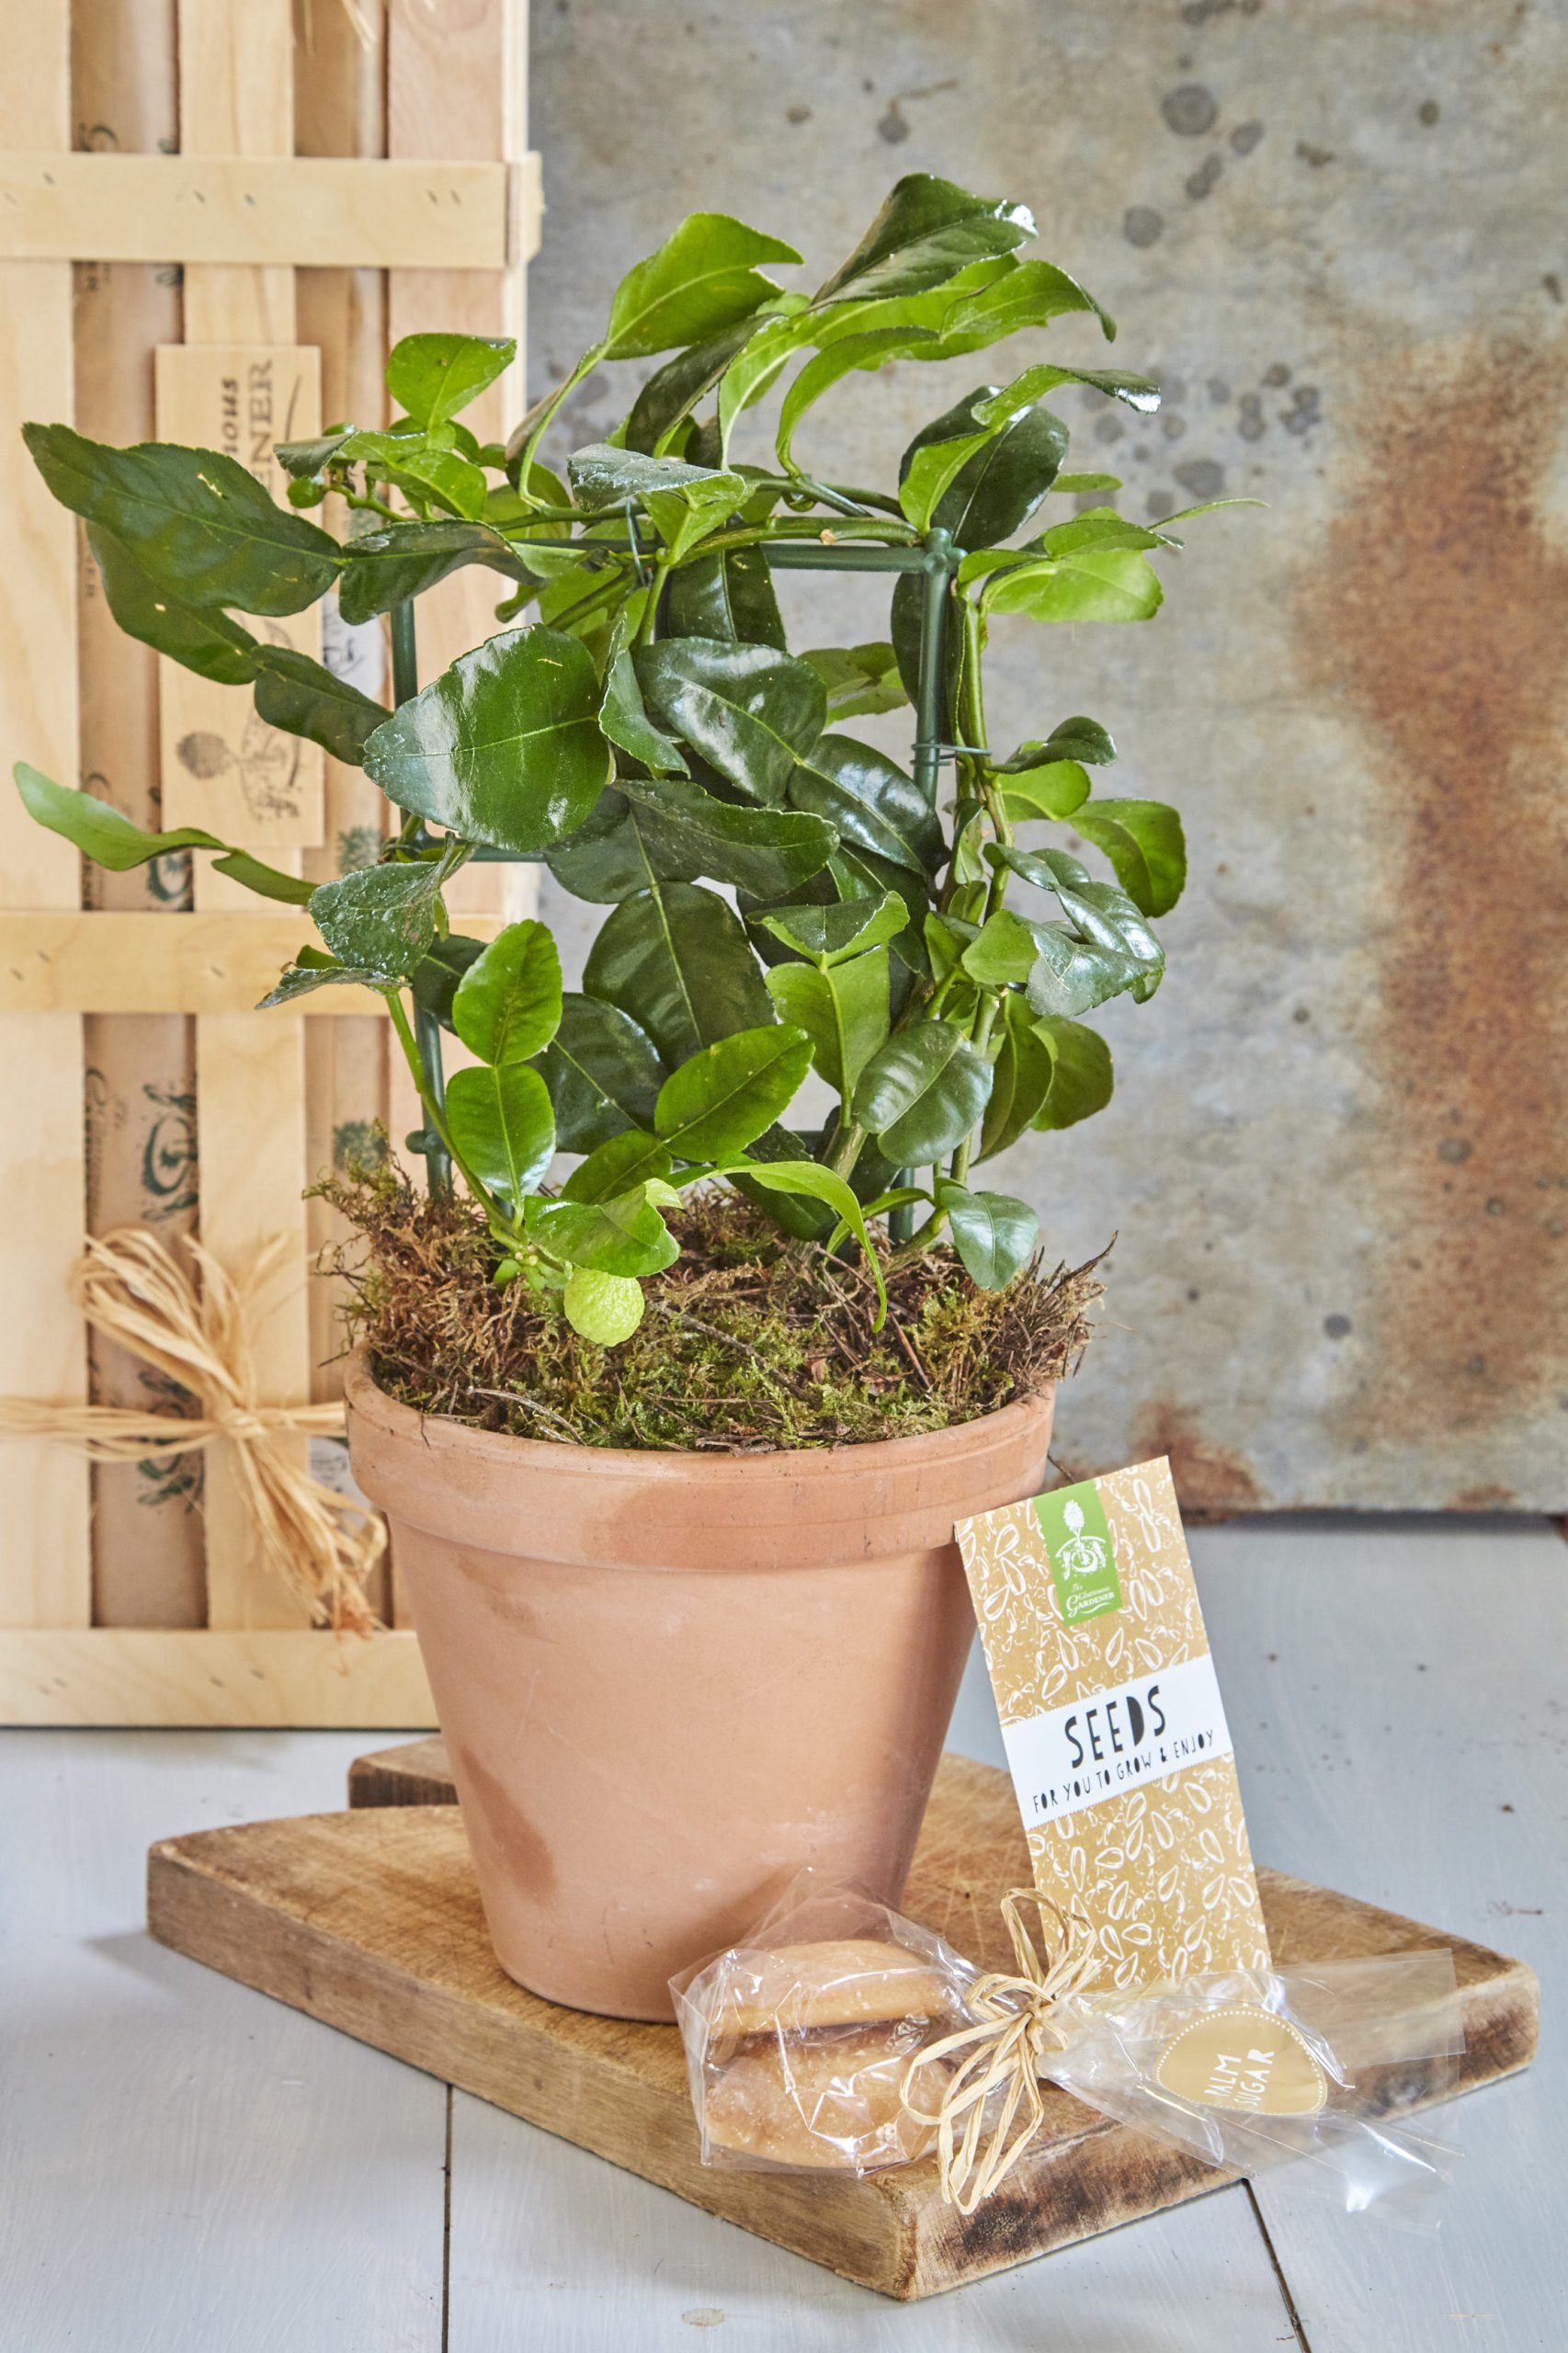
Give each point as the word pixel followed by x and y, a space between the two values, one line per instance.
pixel 113 1675
pixel 108 961
pixel 459 83
pixel 340 108
pixel 237 60
pixel 46 1560
pixel 318 212
pixel 148 1556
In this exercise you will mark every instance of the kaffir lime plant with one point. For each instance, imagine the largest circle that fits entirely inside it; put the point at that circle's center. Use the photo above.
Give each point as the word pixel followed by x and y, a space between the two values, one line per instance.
pixel 781 897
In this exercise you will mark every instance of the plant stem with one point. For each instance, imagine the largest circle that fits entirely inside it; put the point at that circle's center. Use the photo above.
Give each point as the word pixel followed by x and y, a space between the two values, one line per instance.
pixel 848 1150
pixel 436 1116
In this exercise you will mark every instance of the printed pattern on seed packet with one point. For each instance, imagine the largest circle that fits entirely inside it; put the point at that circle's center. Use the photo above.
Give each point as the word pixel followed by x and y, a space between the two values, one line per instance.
pixel 1114 1727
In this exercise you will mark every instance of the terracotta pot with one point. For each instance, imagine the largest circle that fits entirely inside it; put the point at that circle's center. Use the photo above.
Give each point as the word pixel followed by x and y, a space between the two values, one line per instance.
pixel 666 1681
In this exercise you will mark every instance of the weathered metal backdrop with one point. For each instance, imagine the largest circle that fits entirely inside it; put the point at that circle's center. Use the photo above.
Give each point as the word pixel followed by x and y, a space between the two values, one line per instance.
pixel 1336 1161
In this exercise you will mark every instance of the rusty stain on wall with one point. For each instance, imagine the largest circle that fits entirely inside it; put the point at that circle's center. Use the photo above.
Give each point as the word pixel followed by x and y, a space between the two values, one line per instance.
pixel 1209 1480
pixel 1438 610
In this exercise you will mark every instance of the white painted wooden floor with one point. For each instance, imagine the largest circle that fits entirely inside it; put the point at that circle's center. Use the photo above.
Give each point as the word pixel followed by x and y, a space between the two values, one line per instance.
pixel 186 2168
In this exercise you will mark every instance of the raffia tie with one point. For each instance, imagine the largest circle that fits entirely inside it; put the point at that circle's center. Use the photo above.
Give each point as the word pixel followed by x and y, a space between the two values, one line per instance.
pixel 129 1287
pixel 1001 2052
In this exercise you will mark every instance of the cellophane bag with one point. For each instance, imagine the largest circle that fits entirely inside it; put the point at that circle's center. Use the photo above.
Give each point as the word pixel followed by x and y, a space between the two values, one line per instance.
pixel 798 2040
pixel 1308 2065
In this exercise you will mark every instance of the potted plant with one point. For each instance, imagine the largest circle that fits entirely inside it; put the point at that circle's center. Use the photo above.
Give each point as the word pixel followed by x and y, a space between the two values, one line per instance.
pixel 685 1585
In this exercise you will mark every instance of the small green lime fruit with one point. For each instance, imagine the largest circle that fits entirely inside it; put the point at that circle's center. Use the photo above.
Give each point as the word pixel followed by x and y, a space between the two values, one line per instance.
pixel 605 1308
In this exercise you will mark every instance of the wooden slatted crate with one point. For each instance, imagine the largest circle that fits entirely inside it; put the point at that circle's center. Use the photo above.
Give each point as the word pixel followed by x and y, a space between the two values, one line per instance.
pixel 416 210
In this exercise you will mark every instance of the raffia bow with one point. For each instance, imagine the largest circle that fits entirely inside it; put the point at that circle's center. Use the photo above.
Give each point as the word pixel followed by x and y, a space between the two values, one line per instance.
pixel 129 1287
pixel 1002 2054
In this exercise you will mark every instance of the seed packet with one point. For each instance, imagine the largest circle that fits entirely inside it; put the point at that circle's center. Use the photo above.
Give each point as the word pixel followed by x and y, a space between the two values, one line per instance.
pixel 1114 1726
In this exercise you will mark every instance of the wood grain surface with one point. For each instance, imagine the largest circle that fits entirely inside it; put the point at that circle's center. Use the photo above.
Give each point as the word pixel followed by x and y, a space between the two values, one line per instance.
pixel 370 1921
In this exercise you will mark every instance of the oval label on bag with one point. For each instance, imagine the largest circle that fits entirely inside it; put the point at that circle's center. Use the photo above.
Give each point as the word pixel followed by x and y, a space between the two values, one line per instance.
pixel 1243 2058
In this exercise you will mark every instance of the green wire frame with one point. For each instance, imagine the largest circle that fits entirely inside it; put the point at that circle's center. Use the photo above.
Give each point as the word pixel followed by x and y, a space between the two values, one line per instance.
pixel 936 556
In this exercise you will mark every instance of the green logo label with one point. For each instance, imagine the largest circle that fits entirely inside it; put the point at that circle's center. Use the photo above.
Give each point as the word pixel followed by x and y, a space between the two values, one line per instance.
pixel 1083 1562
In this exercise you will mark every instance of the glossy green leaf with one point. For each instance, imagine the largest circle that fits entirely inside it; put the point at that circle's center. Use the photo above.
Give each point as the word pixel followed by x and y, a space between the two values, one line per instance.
pixel 381 569
pixel 382 919
pixel 203 638
pixel 683 832
pixel 1081 485
pixel 193 521
pixel 98 827
pixel 309 461
pixel 1144 843
pixel 1073 975
pixel 1004 952
pixel 838 360
pixel 1075 739
pixel 434 376
pixel 727 595
pixel 435 981
pixel 634 1157
pixel 623 717
pixel 1080 1079
pixel 602 1072
pixel 1140 393
pixel 856 872
pixel 507 1008
pixel 303 697
pixel 874 805
pixel 749 712
pixel 313 972
pixel 605 860
pixel 926 231
pixel 931 472
pixel 422 471
pixel 923 1093
pixel 677 959
pixel 843 1009
pixel 994 1234
pixel 1030 294
pixel 503 747
pixel 1098 527
pixel 819 1184
pixel 1054 789
pixel 702 279
pixel 930 309
pixel 603 476
pixel 1000 486
pixel 722 1098
pixel 251 874
pixel 623 1234
pixel 947 937
pixel 673 391
pixel 503 1127
pixel 1105 917
pixel 828 933
pixel 1020 1081
pixel 1095 587
pixel 755 368
pixel 109 839
pixel 858 679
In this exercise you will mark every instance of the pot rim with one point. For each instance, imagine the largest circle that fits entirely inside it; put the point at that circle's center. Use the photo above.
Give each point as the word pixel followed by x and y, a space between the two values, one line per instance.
pixel 363 1395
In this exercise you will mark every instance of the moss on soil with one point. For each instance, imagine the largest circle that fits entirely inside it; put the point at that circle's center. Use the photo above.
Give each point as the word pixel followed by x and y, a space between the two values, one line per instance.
pixel 750 1340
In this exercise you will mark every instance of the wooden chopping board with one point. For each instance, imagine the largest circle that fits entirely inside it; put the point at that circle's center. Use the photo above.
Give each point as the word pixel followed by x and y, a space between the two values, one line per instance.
pixel 370 1921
